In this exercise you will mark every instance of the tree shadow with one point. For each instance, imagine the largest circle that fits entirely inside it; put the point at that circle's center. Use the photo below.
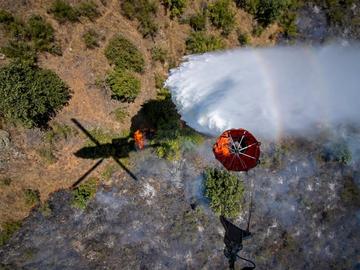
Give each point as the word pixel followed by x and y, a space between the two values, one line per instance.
pixel 156 114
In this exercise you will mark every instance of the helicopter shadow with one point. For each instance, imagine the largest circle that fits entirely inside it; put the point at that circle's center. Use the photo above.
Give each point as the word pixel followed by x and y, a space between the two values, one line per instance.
pixel 117 149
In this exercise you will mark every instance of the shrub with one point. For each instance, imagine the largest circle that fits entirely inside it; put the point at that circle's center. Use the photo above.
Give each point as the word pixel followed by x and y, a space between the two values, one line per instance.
pixel 120 114
pixel 225 192
pixel 350 192
pixel 159 54
pixel 170 137
pixel 37 31
pixel 91 39
pixel 84 193
pixel 258 30
pixel 288 23
pixel 144 11
pixel 176 7
pixel 41 33
pixel 29 94
pixel 198 21
pixel 222 16
pixel 8 229
pixel 5 181
pixel 63 11
pixel 243 38
pixel 337 151
pixel 17 30
pixel 199 42
pixel 47 155
pixel 162 92
pixel 88 9
pixel 124 54
pixel 6 17
pixel 265 11
pixel 45 209
pixel 124 85
pixel 20 50
pixel 32 196
pixel 58 132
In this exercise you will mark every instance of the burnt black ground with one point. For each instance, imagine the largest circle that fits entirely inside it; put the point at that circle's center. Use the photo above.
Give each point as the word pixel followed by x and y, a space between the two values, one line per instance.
pixel 305 217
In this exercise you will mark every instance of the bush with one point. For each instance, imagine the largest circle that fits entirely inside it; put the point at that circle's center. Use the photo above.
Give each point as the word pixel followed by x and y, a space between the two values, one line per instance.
pixel 222 16
pixel 58 132
pixel 288 23
pixel 47 155
pixel 63 11
pixel 266 11
pixel 17 30
pixel 88 9
pixel 32 197
pixel 176 7
pixel 350 192
pixel 37 31
pixel 159 54
pixel 199 42
pixel 170 137
pixel 124 85
pixel 244 39
pixel 5 181
pixel 91 39
pixel 198 21
pixel 124 54
pixel 20 50
pixel 8 229
pixel 162 92
pixel 225 192
pixel 337 151
pixel 120 114
pixel 6 17
pixel 258 30
pixel 144 11
pixel 84 193
pixel 29 94
pixel 41 33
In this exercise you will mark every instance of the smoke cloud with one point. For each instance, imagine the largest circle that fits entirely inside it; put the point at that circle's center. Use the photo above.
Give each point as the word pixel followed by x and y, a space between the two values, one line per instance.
pixel 273 92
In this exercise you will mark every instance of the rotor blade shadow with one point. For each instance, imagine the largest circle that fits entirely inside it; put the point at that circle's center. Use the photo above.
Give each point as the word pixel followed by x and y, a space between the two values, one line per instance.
pixel 87 133
pixel 87 173
pixel 125 169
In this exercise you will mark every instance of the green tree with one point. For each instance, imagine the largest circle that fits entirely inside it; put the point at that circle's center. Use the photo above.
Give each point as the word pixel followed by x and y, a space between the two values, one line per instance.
pixel 20 50
pixel 225 192
pixel 84 193
pixel 222 16
pixel 88 9
pixel 124 85
pixel 63 11
pixel 266 11
pixel 30 95
pixel 124 55
pixel 144 11
pixel 91 39
pixel 176 7
pixel 199 42
pixel 198 21
pixel 6 17
pixel 41 33
pixel 7 230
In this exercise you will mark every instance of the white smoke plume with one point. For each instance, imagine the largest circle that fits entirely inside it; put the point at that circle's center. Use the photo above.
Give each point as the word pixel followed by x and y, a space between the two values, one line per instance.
pixel 272 92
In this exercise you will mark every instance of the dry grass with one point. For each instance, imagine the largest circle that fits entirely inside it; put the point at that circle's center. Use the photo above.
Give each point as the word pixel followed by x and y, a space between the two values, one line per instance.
pixel 91 104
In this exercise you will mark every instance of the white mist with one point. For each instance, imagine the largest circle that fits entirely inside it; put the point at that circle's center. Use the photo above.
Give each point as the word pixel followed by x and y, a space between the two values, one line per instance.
pixel 272 92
